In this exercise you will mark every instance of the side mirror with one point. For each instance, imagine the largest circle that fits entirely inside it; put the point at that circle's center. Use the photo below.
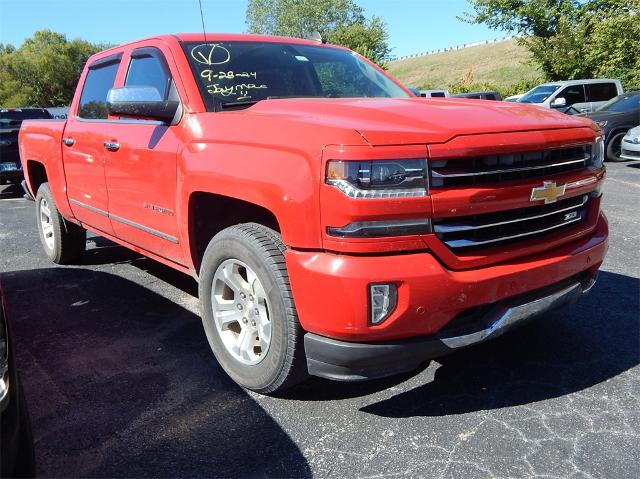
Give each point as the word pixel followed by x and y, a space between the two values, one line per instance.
pixel 559 102
pixel 141 102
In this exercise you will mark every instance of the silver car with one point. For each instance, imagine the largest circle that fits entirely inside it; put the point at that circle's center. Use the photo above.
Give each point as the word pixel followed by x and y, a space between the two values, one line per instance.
pixel 573 96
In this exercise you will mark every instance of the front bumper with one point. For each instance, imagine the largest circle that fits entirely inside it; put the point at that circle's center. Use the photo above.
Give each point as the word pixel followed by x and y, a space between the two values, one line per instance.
pixel 630 151
pixel 331 290
pixel 346 361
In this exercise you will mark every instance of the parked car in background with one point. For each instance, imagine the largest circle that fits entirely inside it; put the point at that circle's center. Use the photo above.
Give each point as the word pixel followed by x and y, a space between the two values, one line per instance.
pixel 10 121
pixel 479 95
pixel 513 98
pixel 16 441
pixel 434 93
pixel 631 145
pixel 578 96
pixel 616 117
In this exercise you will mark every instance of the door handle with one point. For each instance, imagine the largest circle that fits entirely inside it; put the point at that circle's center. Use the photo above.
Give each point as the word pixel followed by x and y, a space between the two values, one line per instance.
pixel 112 145
pixel 68 141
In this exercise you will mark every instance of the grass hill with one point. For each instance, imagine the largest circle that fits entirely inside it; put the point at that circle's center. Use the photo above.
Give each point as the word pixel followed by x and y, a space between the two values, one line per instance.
pixel 503 66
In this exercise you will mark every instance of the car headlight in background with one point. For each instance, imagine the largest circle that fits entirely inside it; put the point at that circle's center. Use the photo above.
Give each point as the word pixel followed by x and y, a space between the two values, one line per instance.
pixel 602 123
pixel 597 153
pixel 5 142
pixel 379 178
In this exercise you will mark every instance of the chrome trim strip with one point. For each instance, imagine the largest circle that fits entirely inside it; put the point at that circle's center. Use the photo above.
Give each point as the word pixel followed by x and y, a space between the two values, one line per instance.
pixel 89 207
pixel 125 221
pixel 463 243
pixel 456 228
pixel 509 170
pixel 516 315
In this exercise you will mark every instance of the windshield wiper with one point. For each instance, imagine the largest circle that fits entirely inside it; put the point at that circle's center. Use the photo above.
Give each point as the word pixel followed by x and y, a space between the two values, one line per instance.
pixel 236 104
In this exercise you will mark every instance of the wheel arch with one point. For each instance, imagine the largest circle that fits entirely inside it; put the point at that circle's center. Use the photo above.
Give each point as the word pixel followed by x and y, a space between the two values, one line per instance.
pixel 210 213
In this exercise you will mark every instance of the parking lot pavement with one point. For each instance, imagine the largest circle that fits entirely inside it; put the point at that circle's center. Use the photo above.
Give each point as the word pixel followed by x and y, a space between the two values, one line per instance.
pixel 120 380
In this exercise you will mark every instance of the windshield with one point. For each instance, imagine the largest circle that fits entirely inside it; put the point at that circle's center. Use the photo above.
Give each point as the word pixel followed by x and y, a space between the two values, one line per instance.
pixel 229 73
pixel 539 94
pixel 621 103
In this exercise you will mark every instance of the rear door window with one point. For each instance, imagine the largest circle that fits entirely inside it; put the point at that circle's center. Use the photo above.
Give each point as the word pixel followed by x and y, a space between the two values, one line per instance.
pixel 602 91
pixel 573 94
pixel 99 80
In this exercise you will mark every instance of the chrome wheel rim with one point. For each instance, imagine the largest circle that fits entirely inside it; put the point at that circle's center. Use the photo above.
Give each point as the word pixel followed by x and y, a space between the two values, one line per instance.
pixel 241 312
pixel 46 223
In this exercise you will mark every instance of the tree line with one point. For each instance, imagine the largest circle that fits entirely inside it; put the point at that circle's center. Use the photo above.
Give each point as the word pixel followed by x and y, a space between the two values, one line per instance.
pixel 568 39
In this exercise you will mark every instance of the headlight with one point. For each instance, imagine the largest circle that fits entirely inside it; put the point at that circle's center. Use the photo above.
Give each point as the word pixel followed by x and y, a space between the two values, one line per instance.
pixel 379 178
pixel 602 123
pixel 5 142
pixel 597 153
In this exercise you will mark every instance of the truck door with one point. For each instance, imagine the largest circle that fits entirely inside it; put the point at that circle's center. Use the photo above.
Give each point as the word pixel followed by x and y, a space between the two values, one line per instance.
pixel 83 153
pixel 141 166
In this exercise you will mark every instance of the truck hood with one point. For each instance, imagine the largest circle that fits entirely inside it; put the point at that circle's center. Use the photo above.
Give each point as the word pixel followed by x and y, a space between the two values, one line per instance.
pixel 393 121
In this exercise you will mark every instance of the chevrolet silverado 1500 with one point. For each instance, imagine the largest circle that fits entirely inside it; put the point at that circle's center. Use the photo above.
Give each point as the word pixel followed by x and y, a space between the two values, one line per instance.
pixel 337 225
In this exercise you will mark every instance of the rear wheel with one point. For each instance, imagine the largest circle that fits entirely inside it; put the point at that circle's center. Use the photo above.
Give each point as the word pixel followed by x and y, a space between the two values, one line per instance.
pixel 614 147
pixel 248 311
pixel 63 242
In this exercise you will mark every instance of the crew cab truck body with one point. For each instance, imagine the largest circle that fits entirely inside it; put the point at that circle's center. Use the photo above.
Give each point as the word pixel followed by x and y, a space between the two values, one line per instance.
pixel 337 225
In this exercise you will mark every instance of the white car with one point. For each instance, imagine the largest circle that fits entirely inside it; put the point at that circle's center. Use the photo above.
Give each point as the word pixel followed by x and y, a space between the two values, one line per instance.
pixel 583 96
pixel 631 145
pixel 514 97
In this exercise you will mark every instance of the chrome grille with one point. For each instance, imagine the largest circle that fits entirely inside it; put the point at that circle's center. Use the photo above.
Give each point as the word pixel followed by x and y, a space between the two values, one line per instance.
pixel 465 233
pixel 506 167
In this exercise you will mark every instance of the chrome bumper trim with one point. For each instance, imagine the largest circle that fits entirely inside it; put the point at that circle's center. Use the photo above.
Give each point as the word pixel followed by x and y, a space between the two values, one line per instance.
pixel 505 318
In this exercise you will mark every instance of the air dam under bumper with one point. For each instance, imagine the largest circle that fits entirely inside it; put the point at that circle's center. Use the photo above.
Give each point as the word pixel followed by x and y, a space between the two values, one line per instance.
pixel 348 361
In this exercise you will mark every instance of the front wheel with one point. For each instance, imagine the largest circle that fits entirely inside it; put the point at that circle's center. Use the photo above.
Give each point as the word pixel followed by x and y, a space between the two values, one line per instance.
pixel 614 147
pixel 63 242
pixel 248 312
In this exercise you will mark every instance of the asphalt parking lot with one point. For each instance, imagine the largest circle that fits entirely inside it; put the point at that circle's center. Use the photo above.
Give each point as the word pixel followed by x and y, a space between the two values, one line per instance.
pixel 120 380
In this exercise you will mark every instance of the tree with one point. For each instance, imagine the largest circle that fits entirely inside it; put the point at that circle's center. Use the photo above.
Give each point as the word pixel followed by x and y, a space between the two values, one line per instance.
pixel 571 39
pixel 338 21
pixel 43 71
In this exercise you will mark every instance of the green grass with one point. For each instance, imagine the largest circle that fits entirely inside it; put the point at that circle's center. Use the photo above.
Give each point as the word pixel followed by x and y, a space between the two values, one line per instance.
pixel 504 66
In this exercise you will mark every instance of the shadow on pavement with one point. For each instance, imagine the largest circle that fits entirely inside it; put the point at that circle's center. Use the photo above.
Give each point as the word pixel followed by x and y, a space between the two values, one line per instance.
pixel 121 382
pixel 11 190
pixel 570 350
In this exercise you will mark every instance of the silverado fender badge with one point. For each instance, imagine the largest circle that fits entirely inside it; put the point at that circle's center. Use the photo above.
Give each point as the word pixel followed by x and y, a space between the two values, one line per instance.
pixel 549 192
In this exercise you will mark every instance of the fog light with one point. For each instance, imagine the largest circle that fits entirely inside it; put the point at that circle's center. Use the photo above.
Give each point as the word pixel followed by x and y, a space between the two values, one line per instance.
pixel 382 301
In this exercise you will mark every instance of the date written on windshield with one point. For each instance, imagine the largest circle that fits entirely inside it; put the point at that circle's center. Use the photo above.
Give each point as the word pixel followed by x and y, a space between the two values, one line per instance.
pixel 216 55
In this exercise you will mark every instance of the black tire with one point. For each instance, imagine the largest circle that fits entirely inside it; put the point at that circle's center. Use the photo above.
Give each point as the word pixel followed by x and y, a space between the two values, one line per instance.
pixel 67 241
pixel 261 249
pixel 614 147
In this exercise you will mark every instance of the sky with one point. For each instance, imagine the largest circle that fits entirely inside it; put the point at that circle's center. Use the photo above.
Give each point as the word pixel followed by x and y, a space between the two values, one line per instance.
pixel 414 25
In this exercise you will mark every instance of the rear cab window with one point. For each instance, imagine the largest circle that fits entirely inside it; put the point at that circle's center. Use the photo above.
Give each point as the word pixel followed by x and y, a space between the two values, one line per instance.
pixel 602 91
pixel 98 82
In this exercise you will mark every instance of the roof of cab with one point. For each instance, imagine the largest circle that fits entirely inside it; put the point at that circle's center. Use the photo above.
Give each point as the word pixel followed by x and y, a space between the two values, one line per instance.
pixel 215 37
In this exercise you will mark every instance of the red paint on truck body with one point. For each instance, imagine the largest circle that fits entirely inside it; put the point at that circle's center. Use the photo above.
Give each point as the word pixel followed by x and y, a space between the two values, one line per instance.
pixel 274 155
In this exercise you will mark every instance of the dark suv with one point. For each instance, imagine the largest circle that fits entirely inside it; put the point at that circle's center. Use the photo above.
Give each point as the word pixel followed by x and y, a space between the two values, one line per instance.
pixel 10 121
pixel 479 95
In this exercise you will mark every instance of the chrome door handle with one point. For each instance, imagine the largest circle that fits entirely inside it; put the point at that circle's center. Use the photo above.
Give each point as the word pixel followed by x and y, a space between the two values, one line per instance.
pixel 68 141
pixel 111 145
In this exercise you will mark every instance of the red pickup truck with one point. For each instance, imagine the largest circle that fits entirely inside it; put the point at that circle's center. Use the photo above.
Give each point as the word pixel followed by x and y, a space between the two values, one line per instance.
pixel 337 225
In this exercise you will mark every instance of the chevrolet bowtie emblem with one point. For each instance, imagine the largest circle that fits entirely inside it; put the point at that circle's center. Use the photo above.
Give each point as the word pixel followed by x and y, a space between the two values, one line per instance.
pixel 549 192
